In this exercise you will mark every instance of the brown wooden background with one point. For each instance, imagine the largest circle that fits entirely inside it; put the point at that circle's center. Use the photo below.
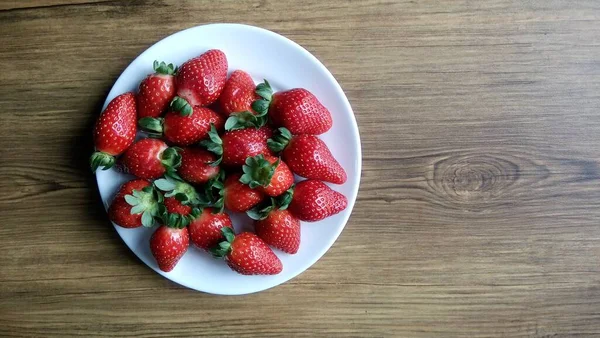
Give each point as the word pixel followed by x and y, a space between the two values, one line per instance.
pixel 479 208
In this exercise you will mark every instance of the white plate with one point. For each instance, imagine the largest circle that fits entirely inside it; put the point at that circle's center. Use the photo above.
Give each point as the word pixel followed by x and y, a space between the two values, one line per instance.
pixel 264 55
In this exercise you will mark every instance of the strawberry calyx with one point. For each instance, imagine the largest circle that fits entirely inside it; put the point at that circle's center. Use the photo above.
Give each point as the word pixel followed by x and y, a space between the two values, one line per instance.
pixel 171 160
pixel 182 191
pixel 246 118
pixel 258 172
pixel 163 68
pixel 224 248
pixel 214 144
pixel 281 202
pixel 101 159
pixel 178 221
pixel 153 126
pixel 145 202
pixel 180 105
pixel 214 192
pixel 281 138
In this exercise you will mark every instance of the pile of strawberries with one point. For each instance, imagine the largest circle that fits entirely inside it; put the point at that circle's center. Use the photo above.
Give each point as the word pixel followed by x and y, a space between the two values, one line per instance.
pixel 212 144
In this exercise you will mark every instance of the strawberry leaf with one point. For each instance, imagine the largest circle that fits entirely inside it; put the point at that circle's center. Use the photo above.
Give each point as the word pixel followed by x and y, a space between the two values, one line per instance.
pixel 214 144
pixel 281 138
pixel 153 126
pixel 163 68
pixel 258 172
pixel 180 105
pixel 100 159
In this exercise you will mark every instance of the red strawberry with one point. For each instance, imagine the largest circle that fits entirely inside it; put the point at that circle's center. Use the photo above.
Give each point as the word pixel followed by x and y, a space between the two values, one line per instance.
pixel 176 207
pixel 156 91
pixel 300 111
pixel 150 158
pixel 114 131
pixel 184 125
pixel 314 200
pixel 234 147
pixel 239 197
pixel 238 93
pixel 280 229
pixel 267 173
pixel 196 165
pixel 136 203
pixel 205 230
pixel 308 156
pixel 168 246
pixel 247 112
pixel 201 79
pixel 247 254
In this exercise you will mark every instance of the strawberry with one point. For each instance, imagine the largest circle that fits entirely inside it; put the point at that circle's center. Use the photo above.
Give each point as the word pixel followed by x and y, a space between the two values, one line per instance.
pixel 196 165
pixel 239 197
pixel 114 131
pixel 313 201
pixel 150 158
pixel 205 230
pixel 267 173
pixel 238 93
pixel 201 79
pixel 234 147
pixel 247 254
pixel 276 225
pixel 307 156
pixel 135 204
pixel 156 91
pixel 168 244
pixel 300 111
pixel 183 125
pixel 247 112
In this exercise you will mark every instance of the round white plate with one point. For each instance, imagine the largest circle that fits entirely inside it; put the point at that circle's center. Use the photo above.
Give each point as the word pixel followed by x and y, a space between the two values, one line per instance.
pixel 264 55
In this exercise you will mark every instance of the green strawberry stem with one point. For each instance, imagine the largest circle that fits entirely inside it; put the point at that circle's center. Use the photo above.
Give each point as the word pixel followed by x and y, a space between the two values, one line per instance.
pixel 182 191
pixel 223 248
pixel 152 126
pixel 171 160
pixel 145 202
pixel 258 171
pixel 262 210
pixel 101 159
pixel 181 106
pixel 281 138
pixel 214 144
pixel 163 68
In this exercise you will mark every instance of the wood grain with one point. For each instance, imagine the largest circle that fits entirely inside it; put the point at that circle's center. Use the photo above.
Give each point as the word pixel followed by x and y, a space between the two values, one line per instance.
pixel 479 205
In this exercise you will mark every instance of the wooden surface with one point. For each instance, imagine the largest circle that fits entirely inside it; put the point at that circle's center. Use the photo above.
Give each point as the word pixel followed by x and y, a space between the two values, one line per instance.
pixel 479 208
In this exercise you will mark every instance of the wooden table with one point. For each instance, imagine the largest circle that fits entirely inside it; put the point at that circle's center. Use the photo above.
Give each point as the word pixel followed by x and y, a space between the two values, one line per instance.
pixel 479 208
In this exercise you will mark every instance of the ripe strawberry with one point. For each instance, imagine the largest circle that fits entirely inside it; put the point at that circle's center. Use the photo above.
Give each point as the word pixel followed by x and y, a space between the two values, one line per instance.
pixel 196 165
pixel 246 108
pixel 239 197
pixel 183 125
pixel 234 147
pixel 314 200
pixel 238 93
pixel 135 204
pixel 276 225
pixel 280 229
pixel 168 244
pixel 150 158
pixel 307 156
pixel 114 131
pixel 300 111
pixel 205 230
pixel 156 91
pixel 201 79
pixel 267 173
pixel 247 254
